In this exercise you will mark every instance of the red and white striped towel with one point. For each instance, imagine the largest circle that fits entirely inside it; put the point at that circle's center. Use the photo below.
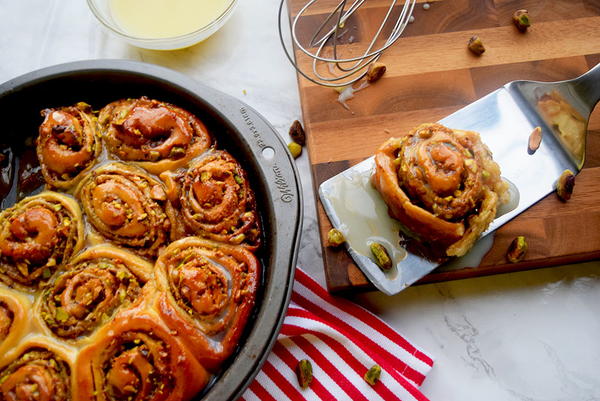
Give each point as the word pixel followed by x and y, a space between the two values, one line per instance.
pixel 342 341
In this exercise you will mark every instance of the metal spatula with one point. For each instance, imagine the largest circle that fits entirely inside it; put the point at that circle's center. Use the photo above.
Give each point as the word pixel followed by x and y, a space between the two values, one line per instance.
pixel 505 119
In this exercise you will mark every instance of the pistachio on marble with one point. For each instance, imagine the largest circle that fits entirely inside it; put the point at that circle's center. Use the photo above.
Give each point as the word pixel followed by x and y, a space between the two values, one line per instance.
pixel 297 133
pixel 295 149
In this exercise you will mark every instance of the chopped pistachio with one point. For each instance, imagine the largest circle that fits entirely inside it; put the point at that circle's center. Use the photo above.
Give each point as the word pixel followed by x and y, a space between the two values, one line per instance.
pixel 238 179
pixel 205 176
pixel 517 249
pixel 177 152
pixel 61 315
pixel 565 185
pixel 522 20
pixel 476 45
pixel 375 72
pixel 372 375
pixel 335 238
pixel 382 258
pixel 295 149
pixel 46 273
pixel 535 139
pixel 304 373
pixel 297 133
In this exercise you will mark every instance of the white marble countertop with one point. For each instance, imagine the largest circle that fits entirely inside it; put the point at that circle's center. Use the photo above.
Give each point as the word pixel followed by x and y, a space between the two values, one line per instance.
pixel 530 336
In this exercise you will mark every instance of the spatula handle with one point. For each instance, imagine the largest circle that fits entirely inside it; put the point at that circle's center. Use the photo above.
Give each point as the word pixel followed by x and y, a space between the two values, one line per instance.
pixel 588 86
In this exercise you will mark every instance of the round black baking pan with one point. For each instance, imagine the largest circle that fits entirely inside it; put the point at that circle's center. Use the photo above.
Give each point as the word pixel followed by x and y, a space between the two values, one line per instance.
pixel 237 127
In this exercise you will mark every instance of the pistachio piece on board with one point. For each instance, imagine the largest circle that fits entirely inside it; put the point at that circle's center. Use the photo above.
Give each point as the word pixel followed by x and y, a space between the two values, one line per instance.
pixel 517 250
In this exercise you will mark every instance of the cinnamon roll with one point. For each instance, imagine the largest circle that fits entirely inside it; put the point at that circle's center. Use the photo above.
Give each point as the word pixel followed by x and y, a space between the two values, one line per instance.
pixel 68 144
pixel 14 318
pixel 441 184
pixel 36 236
pixel 217 201
pixel 136 357
pixel 157 135
pixel 91 289
pixel 127 206
pixel 207 291
pixel 39 371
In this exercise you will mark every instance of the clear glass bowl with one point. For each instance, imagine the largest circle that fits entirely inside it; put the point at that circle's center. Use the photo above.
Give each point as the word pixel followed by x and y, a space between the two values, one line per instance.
pixel 102 12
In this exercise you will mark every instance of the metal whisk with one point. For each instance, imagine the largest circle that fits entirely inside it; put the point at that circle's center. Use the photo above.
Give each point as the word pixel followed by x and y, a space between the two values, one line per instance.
pixel 343 71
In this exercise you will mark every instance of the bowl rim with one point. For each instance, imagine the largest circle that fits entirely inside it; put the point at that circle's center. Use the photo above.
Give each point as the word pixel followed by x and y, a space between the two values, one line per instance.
pixel 257 133
pixel 179 38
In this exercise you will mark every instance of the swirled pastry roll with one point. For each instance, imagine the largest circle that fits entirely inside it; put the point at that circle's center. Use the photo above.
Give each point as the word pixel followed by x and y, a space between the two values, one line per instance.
pixel 217 201
pixel 157 135
pixel 38 370
pixel 127 206
pixel 36 236
pixel 207 291
pixel 441 184
pixel 68 144
pixel 90 290
pixel 14 318
pixel 136 357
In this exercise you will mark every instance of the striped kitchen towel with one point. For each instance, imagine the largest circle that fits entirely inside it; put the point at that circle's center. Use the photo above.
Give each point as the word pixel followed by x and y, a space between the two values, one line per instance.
pixel 342 341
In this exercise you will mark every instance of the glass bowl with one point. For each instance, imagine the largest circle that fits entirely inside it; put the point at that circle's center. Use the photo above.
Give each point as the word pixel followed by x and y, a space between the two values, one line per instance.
pixel 105 14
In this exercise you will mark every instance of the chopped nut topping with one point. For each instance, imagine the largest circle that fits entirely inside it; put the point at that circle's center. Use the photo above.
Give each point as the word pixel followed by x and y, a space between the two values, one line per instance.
pixel 522 20
pixel 335 238
pixel 517 250
pixel 297 133
pixel 535 139
pixel 565 185
pixel 476 45
pixel 375 72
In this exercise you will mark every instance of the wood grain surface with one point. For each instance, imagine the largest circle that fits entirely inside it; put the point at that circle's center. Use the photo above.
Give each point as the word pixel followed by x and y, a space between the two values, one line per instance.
pixel 430 74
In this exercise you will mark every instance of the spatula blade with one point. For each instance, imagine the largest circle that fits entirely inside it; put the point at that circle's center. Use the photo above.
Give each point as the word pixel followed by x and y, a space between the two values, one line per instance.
pixel 505 121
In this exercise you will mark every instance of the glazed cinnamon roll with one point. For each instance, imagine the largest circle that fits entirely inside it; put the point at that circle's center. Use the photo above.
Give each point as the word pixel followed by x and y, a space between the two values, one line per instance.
pixel 39 371
pixel 158 135
pixel 207 291
pixel 217 201
pixel 137 358
pixel 14 318
pixel 68 144
pixel 127 206
pixel 441 184
pixel 91 289
pixel 36 236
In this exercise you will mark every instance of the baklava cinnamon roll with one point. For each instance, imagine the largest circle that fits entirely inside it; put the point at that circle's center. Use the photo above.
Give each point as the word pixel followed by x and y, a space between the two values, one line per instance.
pixel 40 370
pixel 441 184
pixel 217 201
pixel 68 144
pixel 207 291
pixel 136 357
pixel 36 236
pixel 127 206
pixel 14 318
pixel 157 135
pixel 91 289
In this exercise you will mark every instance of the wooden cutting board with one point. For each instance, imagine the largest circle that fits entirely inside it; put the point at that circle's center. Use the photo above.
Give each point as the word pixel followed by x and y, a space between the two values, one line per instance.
pixel 430 74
